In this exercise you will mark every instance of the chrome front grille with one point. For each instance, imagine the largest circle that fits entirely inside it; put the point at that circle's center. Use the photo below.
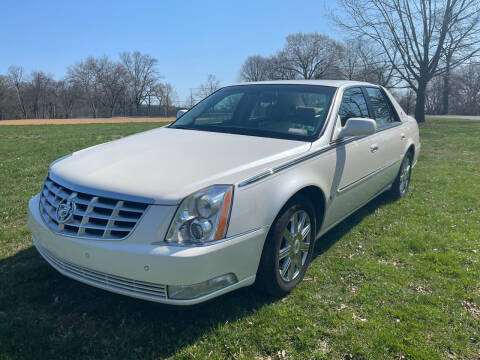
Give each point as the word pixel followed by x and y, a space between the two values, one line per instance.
pixel 88 216
pixel 103 280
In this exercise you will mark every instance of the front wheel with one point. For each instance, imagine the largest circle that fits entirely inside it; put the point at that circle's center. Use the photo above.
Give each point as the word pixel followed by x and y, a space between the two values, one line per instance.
pixel 402 181
pixel 288 248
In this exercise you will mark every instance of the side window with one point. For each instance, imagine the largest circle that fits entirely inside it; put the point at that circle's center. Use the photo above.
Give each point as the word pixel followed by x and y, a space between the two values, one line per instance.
pixel 353 105
pixel 382 109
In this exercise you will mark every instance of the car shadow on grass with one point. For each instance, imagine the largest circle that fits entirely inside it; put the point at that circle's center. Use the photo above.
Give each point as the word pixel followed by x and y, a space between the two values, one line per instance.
pixel 340 230
pixel 43 314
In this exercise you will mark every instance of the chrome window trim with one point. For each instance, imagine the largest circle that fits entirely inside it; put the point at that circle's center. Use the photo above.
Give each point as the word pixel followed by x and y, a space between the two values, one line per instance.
pixel 394 124
pixel 329 115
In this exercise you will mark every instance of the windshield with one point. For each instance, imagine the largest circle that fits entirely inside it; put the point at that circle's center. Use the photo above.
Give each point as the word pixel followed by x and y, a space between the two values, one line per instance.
pixel 296 112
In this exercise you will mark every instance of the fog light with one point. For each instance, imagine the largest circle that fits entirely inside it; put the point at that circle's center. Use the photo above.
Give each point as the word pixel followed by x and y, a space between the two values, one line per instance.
pixel 184 292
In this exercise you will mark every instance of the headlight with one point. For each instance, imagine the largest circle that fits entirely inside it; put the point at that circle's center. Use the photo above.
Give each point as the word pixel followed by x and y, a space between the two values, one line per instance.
pixel 202 217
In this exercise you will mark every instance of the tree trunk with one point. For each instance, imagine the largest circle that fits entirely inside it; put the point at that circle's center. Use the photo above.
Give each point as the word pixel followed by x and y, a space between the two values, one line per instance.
pixel 446 88
pixel 420 102
pixel 137 107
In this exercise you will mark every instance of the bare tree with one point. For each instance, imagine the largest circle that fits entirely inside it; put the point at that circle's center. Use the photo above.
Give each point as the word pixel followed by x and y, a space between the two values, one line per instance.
pixel 457 46
pixel 85 74
pixel 15 77
pixel 406 99
pixel 309 56
pixel 142 75
pixel 277 70
pixel 3 92
pixel 255 68
pixel 170 96
pixel 68 93
pixel 470 92
pixel 40 94
pixel 361 60
pixel 112 77
pixel 7 98
pixel 350 63
pixel 209 87
pixel 415 30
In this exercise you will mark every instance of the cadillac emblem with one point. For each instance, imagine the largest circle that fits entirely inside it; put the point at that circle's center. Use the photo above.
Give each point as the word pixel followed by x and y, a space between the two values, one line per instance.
pixel 65 211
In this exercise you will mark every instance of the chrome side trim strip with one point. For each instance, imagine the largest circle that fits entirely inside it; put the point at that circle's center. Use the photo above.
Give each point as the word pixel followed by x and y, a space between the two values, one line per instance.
pixel 293 162
pixel 301 159
pixel 256 178
pixel 366 177
pixel 284 166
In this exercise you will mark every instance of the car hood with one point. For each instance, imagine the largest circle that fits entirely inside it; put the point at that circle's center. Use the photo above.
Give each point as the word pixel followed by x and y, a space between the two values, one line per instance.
pixel 167 164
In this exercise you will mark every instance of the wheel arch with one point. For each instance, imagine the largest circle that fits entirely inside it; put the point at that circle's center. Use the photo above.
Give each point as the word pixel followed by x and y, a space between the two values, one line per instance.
pixel 316 196
pixel 411 149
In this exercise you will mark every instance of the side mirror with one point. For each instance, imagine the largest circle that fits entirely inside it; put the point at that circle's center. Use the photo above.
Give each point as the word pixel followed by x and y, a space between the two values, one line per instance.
pixel 180 113
pixel 358 127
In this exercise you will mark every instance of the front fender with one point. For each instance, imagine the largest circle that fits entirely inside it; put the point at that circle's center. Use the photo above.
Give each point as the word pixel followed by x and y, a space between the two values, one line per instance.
pixel 258 204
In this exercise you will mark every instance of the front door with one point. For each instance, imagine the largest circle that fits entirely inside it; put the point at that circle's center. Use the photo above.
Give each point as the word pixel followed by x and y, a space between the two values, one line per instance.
pixel 358 159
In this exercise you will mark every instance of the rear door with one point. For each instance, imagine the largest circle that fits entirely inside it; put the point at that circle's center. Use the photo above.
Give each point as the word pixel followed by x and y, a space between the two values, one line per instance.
pixel 390 136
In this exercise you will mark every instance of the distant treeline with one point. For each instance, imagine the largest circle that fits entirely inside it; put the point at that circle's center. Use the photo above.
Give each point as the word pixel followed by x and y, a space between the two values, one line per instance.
pixel 94 87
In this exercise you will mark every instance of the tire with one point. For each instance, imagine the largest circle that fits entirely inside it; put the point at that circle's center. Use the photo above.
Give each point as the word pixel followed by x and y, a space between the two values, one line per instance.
pixel 276 275
pixel 402 181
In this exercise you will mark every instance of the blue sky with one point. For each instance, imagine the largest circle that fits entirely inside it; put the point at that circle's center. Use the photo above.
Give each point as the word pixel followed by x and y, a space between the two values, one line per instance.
pixel 191 39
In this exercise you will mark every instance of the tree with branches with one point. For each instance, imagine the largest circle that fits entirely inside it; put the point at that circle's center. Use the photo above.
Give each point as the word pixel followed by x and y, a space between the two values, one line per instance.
pixel 209 87
pixel 309 56
pixel 112 77
pixel 15 77
pixel 67 93
pixel 85 74
pixel 142 75
pixel 416 30
pixel 255 68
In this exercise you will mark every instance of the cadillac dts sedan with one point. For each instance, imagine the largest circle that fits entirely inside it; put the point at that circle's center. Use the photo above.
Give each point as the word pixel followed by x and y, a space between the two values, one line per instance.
pixel 235 192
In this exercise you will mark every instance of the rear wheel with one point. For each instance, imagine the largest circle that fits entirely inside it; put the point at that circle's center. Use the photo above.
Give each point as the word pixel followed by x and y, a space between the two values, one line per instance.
pixel 288 248
pixel 402 181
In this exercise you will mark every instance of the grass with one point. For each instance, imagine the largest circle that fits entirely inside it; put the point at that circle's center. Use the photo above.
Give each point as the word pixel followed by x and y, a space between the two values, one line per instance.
pixel 396 280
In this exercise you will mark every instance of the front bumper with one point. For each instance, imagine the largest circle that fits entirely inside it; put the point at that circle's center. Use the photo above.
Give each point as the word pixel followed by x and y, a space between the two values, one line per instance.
pixel 137 268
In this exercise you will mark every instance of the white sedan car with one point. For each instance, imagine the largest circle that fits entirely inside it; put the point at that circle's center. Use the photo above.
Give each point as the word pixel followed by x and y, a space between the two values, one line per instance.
pixel 235 192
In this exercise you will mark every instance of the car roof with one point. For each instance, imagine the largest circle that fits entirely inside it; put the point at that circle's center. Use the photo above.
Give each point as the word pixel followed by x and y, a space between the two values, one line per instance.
pixel 332 83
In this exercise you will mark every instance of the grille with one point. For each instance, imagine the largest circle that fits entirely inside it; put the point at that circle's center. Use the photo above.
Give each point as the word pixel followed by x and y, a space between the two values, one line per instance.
pixel 89 216
pixel 103 280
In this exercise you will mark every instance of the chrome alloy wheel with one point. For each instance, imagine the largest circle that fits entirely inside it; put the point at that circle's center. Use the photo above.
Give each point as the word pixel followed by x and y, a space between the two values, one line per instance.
pixel 294 245
pixel 405 175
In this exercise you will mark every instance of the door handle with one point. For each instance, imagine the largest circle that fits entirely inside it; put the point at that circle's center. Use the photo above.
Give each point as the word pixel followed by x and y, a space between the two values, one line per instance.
pixel 402 136
pixel 374 148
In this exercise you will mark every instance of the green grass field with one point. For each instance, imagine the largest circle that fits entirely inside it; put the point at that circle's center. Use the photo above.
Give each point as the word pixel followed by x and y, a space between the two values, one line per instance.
pixel 396 280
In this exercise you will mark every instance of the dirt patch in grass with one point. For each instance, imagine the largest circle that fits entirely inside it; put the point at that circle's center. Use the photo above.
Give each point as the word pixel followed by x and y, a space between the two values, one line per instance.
pixel 113 120
pixel 472 308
